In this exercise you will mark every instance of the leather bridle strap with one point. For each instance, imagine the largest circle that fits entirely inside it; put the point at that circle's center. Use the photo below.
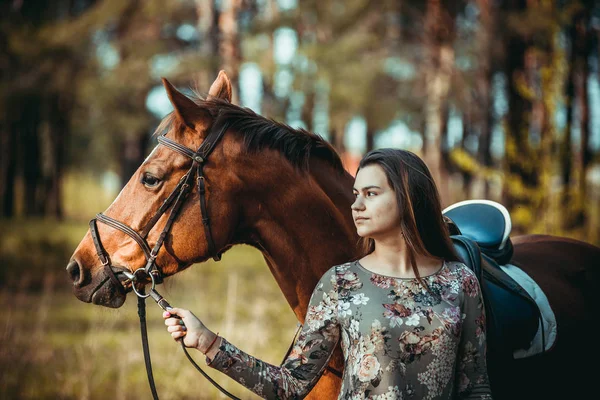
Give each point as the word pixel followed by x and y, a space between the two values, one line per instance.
pixel 103 255
pixel 204 213
pixel 163 208
pixel 199 157
pixel 113 223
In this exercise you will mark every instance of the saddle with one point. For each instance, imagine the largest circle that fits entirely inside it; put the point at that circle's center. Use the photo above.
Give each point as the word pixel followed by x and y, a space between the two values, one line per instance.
pixel 480 230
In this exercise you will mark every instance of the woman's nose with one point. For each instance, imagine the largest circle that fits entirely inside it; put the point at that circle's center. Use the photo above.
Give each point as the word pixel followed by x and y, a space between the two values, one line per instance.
pixel 358 204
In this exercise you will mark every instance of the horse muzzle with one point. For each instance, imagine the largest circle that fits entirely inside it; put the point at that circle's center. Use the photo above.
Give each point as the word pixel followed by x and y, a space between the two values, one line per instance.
pixel 99 289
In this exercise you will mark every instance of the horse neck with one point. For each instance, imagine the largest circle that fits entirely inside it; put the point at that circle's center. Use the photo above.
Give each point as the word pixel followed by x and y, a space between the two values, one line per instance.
pixel 304 227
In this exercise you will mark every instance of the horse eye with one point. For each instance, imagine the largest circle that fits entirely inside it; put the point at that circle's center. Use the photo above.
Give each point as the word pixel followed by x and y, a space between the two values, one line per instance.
pixel 150 180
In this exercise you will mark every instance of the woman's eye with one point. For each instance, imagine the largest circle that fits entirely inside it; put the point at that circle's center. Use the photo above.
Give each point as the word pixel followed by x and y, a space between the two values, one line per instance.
pixel 371 194
pixel 150 180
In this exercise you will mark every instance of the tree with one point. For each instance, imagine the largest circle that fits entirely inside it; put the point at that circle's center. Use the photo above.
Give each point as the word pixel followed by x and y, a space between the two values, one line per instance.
pixel 439 67
pixel 38 74
pixel 574 164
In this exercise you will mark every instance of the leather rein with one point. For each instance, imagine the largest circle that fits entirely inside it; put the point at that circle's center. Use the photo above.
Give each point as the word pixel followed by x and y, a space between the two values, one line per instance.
pixel 151 272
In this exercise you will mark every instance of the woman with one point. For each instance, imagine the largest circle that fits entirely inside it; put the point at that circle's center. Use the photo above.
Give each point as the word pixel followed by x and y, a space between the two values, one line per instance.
pixel 410 315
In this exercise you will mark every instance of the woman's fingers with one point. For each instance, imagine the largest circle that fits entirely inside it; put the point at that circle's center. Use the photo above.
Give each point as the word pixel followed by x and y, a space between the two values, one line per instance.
pixel 176 328
pixel 173 321
pixel 179 311
pixel 177 335
pixel 175 311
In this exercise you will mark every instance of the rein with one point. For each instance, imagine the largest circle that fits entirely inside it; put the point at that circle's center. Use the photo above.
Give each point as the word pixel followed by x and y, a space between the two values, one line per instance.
pixel 151 273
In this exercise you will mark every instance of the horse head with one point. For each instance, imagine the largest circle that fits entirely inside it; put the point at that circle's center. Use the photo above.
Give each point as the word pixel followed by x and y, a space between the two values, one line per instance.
pixel 139 201
pixel 221 175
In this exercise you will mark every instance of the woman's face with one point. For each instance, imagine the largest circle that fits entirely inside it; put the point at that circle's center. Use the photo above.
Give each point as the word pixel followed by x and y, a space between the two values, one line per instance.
pixel 375 209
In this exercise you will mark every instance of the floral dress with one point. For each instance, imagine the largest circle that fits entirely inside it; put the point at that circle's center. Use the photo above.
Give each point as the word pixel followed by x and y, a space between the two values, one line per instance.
pixel 399 340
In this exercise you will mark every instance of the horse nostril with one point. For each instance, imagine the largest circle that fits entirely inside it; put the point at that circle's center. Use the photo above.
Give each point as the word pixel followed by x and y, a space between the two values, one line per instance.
pixel 74 272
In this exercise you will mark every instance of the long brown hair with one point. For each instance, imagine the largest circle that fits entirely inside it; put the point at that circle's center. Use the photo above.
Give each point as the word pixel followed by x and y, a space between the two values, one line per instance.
pixel 422 223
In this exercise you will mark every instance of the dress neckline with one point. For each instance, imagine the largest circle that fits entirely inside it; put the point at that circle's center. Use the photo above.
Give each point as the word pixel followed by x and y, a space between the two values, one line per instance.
pixel 397 277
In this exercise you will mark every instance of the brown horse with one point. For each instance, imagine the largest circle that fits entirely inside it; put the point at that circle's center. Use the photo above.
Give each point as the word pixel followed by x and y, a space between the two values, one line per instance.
pixel 285 192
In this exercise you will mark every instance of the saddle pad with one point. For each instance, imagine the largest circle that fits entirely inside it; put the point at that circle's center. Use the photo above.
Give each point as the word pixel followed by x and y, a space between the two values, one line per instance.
pixel 548 328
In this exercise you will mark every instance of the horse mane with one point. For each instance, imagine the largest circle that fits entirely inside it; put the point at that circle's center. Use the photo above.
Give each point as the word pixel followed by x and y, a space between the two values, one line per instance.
pixel 258 132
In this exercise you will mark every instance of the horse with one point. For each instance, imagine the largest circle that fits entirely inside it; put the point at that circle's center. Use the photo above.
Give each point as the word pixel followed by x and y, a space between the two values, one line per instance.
pixel 285 192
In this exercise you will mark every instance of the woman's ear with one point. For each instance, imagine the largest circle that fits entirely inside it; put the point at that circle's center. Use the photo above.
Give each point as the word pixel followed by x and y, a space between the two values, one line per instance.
pixel 192 115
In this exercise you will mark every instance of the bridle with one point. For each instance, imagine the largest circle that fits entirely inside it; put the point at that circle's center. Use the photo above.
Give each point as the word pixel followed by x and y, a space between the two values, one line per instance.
pixel 175 200
pixel 151 273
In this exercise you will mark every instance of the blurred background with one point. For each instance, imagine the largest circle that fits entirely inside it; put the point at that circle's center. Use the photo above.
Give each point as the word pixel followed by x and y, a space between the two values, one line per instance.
pixel 501 99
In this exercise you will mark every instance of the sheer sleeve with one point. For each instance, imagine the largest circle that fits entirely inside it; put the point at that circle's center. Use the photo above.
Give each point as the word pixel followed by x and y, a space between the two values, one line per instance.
pixel 309 356
pixel 472 378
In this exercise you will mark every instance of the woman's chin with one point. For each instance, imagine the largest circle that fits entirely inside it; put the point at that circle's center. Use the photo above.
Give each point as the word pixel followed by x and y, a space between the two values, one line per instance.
pixel 362 232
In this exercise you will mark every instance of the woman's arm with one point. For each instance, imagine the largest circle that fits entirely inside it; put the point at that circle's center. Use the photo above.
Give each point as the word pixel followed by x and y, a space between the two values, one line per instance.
pixel 471 376
pixel 301 369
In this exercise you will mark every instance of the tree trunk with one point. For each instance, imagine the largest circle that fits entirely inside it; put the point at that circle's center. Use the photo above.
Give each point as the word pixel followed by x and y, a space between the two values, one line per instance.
pixel 566 150
pixel 59 110
pixel 8 162
pixel 308 108
pixel 519 161
pixel 132 147
pixel 27 129
pixel 483 95
pixel 574 163
pixel 440 32
pixel 467 176
pixel 581 49
pixel 208 25
pixel 445 173
pixel 132 155
pixel 229 46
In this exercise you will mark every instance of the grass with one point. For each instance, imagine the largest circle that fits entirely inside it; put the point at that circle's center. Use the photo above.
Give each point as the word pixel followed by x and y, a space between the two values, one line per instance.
pixel 56 347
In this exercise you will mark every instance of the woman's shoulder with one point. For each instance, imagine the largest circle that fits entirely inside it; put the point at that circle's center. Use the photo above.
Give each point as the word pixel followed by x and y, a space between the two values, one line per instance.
pixel 329 281
pixel 460 269
pixel 337 271
pixel 340 268
pixel 466 277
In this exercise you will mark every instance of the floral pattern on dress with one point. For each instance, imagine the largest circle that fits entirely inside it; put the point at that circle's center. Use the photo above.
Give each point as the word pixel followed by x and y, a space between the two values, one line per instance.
pixel 400 340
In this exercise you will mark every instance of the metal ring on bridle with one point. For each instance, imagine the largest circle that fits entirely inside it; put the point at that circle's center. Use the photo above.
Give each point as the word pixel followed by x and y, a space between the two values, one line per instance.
pixel 143 296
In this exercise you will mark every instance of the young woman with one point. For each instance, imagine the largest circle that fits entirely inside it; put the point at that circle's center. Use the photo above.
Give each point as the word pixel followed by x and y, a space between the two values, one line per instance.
pixel 410 316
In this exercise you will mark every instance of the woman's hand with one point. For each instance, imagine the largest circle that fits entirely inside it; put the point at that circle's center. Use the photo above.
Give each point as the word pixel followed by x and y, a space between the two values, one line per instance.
pixel 189 327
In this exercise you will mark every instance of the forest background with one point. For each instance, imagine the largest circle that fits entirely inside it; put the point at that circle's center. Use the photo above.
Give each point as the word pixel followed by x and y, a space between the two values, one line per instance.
pixel 501 98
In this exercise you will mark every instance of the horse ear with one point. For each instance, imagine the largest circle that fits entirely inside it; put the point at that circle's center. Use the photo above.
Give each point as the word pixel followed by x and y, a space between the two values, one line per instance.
pixel 221 87
pixel 188 112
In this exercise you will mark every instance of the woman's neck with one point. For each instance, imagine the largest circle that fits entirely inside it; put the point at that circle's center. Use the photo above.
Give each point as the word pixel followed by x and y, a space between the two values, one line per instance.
pixel 391 258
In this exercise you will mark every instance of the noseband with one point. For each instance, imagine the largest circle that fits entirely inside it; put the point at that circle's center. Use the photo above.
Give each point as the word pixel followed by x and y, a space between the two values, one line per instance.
pixel 174 201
